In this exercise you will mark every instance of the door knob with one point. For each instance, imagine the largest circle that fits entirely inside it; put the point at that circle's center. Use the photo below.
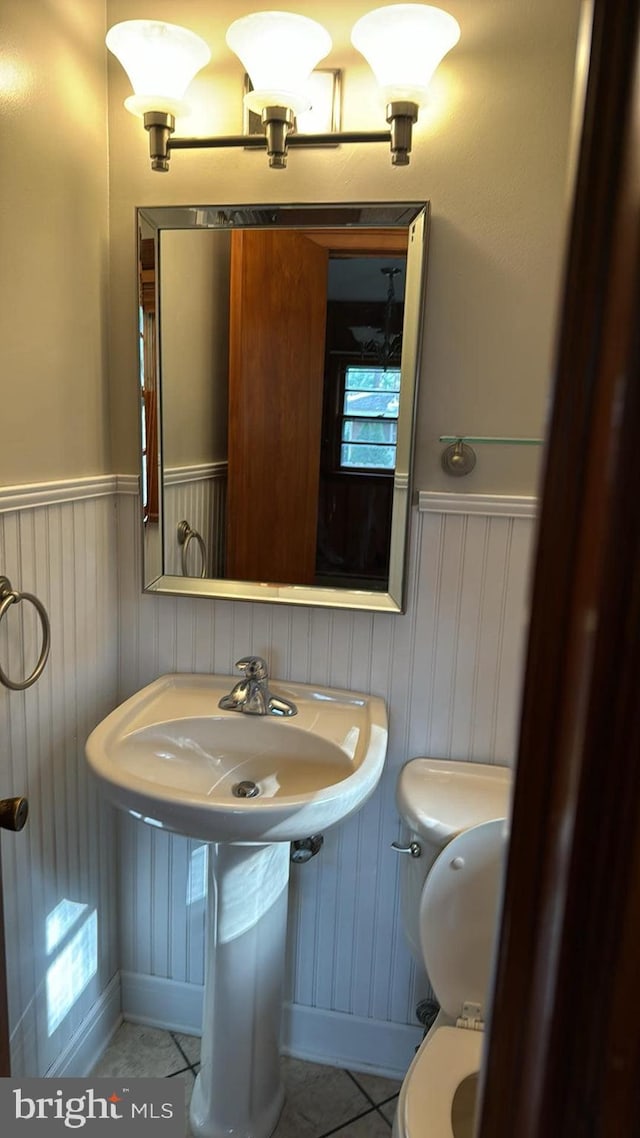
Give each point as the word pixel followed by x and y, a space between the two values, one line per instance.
pixel 13 813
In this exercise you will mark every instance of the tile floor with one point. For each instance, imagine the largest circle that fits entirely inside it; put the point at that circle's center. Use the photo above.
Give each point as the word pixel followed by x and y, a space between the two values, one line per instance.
pixel 320 1101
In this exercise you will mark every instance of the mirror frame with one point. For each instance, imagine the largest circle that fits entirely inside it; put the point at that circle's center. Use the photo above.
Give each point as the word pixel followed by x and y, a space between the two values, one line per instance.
pixel 412 217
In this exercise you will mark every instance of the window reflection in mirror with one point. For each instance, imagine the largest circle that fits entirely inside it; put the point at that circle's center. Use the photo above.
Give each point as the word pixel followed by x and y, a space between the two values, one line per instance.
pixel 361 402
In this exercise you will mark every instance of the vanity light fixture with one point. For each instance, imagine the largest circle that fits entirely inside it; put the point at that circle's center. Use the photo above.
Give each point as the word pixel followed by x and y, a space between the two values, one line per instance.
pixel 403 44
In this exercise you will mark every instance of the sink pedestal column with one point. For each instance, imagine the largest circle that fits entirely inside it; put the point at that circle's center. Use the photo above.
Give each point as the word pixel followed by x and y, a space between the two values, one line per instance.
pixel 238 1091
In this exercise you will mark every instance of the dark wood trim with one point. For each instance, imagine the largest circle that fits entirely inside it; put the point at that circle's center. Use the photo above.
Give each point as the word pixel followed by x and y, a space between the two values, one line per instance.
pixel 564 1047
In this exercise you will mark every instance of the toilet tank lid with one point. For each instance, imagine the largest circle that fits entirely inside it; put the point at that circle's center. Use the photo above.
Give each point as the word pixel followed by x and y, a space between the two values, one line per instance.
pixel 439 798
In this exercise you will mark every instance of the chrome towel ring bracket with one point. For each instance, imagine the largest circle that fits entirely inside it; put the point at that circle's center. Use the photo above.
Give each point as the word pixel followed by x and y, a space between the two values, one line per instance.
pixel 10 596
pixel 185 536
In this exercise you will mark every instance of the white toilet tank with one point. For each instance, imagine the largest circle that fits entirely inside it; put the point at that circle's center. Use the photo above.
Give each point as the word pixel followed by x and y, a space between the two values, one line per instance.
pixel 439 799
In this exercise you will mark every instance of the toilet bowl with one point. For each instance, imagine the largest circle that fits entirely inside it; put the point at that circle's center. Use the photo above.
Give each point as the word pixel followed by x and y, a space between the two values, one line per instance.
pixel 440 1068
pixel 456 814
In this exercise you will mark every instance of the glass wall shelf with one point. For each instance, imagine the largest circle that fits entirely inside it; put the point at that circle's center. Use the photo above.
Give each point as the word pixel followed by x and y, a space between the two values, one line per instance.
pixel 459 458
pixel 491 439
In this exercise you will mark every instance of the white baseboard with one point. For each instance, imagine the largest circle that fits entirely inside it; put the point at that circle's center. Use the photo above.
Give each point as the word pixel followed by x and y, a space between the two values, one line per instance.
pixel 157 1002
pixel 83 1051
pixel 372 1046
pixel 319 1036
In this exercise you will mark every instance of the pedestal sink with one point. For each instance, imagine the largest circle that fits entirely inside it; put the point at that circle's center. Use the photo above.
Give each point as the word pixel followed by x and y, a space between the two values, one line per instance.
pixel 170 757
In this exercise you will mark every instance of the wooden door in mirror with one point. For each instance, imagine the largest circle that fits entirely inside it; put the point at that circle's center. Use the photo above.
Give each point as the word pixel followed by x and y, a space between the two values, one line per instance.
pixel 276 361
pixel 279 382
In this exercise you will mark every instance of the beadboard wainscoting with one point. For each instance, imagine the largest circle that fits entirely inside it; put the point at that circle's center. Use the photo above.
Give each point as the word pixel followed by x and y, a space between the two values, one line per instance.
pixel 197 495
pixel 59 542
pixel 450 672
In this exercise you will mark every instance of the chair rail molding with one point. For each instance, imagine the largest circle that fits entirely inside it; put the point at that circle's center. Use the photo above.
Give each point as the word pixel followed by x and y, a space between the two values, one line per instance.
pixel 486 505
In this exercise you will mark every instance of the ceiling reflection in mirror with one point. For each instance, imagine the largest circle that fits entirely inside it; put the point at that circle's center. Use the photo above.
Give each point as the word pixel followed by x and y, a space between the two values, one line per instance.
pixel 279 354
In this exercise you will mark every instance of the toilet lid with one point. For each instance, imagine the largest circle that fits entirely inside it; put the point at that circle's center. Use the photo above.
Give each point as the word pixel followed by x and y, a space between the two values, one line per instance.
pixel 443 1062
pixel 459 915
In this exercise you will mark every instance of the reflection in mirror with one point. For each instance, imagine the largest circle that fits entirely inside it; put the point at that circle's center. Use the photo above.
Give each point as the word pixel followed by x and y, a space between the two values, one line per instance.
pixel 279 350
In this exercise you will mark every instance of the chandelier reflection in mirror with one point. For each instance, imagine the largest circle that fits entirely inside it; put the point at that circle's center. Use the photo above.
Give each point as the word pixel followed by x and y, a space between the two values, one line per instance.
pixel 383 345
pixel 402 43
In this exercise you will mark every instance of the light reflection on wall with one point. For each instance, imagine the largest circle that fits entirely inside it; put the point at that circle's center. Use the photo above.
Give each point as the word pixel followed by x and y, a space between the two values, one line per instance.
pixel 72 929
pixel 16 80
pixel 197 881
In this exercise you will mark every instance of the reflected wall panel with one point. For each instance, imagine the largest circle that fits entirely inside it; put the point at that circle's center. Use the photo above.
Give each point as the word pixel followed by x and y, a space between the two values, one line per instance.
pixel 196 495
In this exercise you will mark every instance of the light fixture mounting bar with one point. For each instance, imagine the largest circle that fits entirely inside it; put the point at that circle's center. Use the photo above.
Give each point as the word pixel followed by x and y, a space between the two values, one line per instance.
pixel 278 137
pixel 255 142
pixel 276 142
pixel 259 141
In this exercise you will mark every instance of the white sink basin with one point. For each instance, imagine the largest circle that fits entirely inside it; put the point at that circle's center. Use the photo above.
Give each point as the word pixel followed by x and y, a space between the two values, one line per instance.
pixel 171 757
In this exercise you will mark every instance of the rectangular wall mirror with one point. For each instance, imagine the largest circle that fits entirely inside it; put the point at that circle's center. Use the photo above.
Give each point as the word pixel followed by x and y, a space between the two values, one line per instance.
pixel 279 351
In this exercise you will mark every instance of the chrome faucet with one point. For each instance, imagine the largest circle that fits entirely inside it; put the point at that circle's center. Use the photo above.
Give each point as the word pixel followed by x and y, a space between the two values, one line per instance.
pixel 251 694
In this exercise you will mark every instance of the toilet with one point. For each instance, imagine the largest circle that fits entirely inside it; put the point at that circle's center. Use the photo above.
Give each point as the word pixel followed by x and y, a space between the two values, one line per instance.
pixel 456 817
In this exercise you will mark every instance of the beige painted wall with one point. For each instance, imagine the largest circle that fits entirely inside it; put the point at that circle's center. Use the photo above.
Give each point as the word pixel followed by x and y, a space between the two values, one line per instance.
pixel 491 156
pixel 53 241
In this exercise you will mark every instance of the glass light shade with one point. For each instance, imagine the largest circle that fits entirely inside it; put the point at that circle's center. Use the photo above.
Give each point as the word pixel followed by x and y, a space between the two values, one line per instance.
pixel 160 60
pixel 279 51
pixel 403 44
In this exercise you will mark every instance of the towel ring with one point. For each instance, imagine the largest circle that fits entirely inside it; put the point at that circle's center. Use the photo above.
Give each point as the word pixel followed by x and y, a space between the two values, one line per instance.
pixel 8 597
pixel 185 536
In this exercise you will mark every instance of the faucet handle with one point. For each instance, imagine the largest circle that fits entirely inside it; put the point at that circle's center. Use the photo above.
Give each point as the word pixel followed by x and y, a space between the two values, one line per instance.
pixel 254 667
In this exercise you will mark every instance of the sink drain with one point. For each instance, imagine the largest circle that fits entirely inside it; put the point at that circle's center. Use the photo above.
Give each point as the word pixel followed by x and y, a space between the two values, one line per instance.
pixel 245 789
